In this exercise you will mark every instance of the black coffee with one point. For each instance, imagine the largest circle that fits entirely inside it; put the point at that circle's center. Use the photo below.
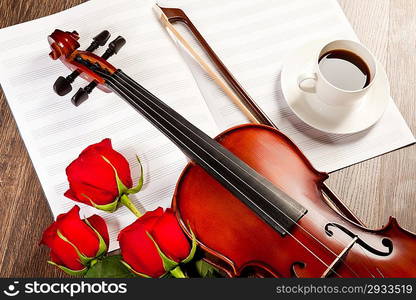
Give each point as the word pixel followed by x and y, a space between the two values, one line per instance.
pixel 344 69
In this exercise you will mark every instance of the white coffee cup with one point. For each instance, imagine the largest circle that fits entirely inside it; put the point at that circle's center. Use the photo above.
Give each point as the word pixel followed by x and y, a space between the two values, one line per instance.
pixel 328 92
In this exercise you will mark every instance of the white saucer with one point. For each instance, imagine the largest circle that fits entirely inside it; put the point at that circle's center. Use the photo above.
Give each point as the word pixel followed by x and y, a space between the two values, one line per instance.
pixel 328 118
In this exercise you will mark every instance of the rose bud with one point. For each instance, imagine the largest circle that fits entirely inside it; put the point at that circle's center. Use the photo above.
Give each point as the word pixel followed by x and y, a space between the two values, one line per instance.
pixel 76 244
pixel 100 177
pixel 155 244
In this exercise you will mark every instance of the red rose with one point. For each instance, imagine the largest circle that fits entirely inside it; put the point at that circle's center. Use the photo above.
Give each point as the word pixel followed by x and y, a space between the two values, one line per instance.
pixel 101 177
pixel 155 244
pixel 76 243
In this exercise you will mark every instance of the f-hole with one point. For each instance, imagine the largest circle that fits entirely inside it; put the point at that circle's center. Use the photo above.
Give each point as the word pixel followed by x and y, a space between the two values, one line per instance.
pixel 387 243
pixel 295 265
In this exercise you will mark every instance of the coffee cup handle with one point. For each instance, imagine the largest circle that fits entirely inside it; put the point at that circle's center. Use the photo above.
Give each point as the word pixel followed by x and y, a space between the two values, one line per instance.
pixel 307 76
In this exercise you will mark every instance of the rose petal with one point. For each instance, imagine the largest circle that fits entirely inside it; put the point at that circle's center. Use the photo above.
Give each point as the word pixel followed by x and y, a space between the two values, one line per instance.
pixel 169 236
pixel 77 232
pixel 65 255
pixel 104 144
pixel 62 253
pixel 49 235
pixel 139 251
pixel 99 224
pixel 90 174
pixel 104 148
pixel 92 171
pixel 83 192
pixel 71 195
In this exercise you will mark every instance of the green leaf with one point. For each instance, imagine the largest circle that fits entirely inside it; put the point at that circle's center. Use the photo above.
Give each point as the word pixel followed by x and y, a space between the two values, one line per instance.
pixel 168 264
pixel 193 249
pixel 205 270
pixel 102 248
pixel 139 185
pixel 83 258
pixel 69 271
pixel 109 267
pixel 110 207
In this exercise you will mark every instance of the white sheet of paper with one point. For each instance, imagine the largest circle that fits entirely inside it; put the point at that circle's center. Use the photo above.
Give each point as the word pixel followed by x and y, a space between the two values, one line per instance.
pixel 55 131
pixel 252 38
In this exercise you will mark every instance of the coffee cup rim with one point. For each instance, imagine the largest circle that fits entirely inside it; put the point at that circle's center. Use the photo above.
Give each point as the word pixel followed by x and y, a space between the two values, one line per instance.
pixel 349 41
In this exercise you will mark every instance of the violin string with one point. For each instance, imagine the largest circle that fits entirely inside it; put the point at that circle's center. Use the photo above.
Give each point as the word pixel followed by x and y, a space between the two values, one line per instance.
pixel 342 260
pixel 119 79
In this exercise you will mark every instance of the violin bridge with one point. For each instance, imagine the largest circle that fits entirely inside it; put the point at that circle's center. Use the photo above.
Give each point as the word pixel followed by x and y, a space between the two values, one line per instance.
pixel 339 259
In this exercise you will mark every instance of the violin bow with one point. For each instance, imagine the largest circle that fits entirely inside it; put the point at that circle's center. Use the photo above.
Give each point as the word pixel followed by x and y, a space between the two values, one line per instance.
pixel 168 16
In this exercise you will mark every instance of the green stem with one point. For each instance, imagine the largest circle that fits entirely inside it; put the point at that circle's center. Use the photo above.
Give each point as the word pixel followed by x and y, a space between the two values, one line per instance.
pixel 93 262
pixel 127 202
pixel 177 273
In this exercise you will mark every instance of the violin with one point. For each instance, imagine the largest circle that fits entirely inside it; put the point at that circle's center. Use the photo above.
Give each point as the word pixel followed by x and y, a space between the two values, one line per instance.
pixel 250 197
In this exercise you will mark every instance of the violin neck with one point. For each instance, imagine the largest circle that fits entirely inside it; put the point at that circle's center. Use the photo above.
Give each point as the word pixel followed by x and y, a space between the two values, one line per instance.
pixel 270 203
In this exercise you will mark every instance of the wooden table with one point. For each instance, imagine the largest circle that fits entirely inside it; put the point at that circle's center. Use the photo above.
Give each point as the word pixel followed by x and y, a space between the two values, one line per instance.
pixel 374 189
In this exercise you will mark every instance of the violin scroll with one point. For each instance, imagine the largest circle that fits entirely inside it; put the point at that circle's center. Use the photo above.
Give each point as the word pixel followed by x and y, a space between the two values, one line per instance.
pixel 63 43
pixel 86 64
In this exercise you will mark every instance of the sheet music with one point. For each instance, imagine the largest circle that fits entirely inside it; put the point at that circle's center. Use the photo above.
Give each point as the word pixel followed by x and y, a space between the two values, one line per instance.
pixel 55 131
pixel 252 38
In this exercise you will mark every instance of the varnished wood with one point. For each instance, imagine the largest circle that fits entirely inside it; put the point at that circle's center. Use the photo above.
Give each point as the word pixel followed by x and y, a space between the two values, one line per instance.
pixel 373 190
pixel 230 231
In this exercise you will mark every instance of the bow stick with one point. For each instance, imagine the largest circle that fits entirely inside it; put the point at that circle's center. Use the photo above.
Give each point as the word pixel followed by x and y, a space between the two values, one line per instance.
pixel 168 16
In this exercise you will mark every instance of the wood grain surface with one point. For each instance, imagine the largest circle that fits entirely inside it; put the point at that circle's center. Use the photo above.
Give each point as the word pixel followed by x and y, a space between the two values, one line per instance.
pixel 374 189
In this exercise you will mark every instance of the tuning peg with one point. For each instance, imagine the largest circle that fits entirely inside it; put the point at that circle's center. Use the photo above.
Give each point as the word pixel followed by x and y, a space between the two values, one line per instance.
pixel 114 47
pixel 99 40
pixel 82 94
pixel 102 38
pixel 62 85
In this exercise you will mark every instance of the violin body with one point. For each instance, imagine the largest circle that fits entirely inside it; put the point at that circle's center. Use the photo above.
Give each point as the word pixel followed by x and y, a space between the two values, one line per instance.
pixel 237 240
